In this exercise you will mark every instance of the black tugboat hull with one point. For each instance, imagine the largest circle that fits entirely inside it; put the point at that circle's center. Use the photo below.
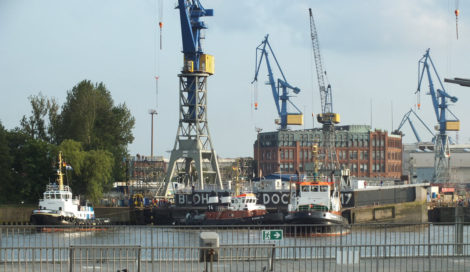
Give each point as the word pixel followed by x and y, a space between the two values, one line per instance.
pixel 311 223
pixel 45 219
pixel 315 218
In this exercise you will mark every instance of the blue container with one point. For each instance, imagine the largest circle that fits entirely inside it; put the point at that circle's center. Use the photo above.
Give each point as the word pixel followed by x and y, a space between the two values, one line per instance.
pixel 434 195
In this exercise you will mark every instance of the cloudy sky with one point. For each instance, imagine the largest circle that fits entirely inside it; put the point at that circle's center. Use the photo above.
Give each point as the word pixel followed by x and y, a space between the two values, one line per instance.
pixel 370 49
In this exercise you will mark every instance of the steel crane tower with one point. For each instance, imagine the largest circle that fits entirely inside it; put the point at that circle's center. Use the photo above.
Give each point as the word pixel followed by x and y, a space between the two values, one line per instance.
pixel 440 105
pixel 193 142
pixel 327 117
pixel 286 118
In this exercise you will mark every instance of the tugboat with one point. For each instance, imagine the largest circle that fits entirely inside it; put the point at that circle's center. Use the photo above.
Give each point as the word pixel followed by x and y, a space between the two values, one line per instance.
pixel 58 207
pixel 316 203
pixel 239 210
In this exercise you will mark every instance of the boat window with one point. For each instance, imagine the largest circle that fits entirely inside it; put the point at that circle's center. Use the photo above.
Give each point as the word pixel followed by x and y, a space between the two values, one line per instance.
pixel 57 196
pixel 314 188
pixel 323 188
pixel 305 188
pixel 47 196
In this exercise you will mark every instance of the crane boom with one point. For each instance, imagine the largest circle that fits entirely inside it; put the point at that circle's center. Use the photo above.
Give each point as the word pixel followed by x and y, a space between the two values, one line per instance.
pixel 325 91
pixel 327 117
pixel 407 117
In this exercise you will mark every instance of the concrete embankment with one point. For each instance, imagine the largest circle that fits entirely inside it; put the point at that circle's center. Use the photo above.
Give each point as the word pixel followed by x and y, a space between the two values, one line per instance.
pixel 409 212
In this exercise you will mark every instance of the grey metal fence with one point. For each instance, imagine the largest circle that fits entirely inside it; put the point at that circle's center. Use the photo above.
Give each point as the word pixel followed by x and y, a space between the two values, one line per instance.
pixel 371 247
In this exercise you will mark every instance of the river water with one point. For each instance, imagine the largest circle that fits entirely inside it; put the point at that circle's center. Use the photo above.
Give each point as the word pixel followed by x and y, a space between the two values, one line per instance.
pixel 396 239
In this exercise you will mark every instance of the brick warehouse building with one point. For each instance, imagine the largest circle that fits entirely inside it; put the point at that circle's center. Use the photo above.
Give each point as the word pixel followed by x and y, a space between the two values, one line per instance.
pixel 366 152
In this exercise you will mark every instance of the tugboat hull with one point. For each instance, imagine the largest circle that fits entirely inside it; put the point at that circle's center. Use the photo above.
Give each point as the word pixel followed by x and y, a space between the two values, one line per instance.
pixel 315 218
pixel 316 223
pixel 54 219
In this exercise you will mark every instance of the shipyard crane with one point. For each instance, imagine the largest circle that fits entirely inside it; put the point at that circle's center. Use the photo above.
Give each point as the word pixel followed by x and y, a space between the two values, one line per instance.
pixel 440 104
pixel 280 90
pixel 407 117
pixel 193 143
pixel 327 117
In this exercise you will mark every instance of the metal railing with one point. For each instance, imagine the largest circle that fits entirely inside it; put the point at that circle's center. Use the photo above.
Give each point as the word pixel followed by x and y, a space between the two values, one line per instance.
pixel 371 247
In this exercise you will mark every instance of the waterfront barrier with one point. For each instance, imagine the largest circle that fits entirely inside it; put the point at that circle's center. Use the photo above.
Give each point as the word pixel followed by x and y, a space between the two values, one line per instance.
pixel 371 247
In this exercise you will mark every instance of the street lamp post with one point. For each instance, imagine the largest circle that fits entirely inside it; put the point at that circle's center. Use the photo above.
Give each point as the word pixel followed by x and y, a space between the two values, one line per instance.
pixel 152 112
pixel 258 130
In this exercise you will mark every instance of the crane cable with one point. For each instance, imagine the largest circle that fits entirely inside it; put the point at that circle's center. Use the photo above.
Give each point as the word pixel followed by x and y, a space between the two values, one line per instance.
pixel 159 9
pixel 160 20
pixel 457 18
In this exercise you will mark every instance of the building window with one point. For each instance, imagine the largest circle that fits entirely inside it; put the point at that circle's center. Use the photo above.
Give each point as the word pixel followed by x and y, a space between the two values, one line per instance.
pixel 291 154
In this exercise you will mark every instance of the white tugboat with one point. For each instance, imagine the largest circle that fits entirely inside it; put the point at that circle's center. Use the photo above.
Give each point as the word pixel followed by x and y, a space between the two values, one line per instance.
pixel 316 202
pixel 58 207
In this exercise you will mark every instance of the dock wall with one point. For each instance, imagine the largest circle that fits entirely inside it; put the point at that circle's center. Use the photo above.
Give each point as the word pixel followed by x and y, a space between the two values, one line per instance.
pixel 409 212
pixel 15 214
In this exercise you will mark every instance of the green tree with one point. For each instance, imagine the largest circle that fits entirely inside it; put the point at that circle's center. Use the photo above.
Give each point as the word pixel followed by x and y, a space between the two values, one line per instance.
pixel 96 172
pixel 43 121
pixel 6 184
pixel 90 117
pixel 31 167
pixel 92 170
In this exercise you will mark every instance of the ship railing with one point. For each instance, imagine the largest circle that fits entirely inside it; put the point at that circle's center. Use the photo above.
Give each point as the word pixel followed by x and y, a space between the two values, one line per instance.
pixel 55 187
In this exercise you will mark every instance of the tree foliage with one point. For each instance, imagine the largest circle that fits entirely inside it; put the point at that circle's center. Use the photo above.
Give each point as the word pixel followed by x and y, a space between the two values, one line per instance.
pixel 30 168
pixel 42 123
pixel 92 170
pixel 93 134
pixel 5 167
pixel 90 117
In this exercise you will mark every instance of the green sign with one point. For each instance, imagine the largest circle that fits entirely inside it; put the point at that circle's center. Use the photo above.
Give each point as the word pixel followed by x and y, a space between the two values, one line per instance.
pixel 272 234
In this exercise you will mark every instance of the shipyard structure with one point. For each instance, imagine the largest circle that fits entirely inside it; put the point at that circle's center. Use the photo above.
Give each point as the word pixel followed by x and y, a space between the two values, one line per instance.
pixel 367 153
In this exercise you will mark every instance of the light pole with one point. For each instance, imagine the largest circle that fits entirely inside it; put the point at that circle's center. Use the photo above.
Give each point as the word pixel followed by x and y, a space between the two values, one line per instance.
pixel 258 130
pixel 152 112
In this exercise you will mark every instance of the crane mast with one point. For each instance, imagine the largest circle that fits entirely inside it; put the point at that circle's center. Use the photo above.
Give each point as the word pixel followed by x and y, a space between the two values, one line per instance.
pixel 327 117
pixel 193 142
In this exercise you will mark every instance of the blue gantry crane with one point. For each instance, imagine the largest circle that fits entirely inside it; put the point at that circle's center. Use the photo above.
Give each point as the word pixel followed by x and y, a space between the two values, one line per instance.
pixel 443 114
pixel 407 117
pixel 193 143
pixel 280 90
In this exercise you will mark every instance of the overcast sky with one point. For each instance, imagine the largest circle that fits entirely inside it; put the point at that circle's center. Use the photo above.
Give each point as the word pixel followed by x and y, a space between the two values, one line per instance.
pixel 370 49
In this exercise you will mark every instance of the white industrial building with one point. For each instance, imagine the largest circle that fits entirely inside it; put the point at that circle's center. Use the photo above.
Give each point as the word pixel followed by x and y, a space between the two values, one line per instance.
pixel 418 158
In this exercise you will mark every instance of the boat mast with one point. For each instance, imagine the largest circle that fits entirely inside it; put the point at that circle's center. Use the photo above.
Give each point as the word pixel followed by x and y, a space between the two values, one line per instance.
pixel 60 179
